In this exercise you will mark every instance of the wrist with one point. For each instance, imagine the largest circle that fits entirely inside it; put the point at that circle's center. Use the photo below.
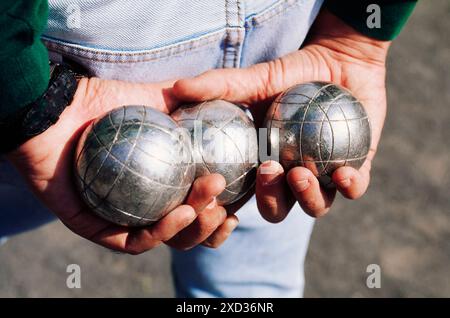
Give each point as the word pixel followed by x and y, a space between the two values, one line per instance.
pixel 41 114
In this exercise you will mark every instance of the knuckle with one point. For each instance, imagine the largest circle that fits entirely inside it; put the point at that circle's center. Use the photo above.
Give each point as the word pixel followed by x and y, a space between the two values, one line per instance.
pixel 179 225
pixel 222 214
pixel 163 236
pixel 275 74
pixel 312 204
pixel 199 190
pixel 208 224
pixel 184 224
pixel 207 228
pixel 166 236
pixel 313 207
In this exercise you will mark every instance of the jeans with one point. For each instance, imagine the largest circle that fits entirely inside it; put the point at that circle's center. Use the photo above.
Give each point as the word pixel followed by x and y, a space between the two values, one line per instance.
pixel 150 41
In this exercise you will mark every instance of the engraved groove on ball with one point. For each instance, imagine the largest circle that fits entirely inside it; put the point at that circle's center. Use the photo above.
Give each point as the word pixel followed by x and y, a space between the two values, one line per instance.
pixel 321 127
pixel 131 166
pixel 239 146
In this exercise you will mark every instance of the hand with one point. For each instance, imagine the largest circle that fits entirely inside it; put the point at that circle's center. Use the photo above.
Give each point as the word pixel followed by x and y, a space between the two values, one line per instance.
pixel 46 162
pixel 335 53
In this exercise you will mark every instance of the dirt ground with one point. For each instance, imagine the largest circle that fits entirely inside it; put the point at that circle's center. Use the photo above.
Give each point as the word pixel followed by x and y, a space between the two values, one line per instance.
pixel 402 224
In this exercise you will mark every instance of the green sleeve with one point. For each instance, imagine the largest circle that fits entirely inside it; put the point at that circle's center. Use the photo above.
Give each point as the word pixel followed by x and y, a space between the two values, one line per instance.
pixel 394 14
pixel 24 69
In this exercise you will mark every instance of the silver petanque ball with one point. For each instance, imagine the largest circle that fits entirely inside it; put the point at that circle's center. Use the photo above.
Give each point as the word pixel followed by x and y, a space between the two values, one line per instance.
pixel 321 126
pixel 134 165
pixel 224 141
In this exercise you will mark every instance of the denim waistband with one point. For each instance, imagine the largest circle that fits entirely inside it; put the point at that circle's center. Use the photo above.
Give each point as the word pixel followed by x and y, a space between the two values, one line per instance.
pixel 266 35
pixel 135 25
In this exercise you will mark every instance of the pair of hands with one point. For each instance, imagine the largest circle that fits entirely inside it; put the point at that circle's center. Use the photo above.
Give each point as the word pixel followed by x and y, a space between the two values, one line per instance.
pixel 334 53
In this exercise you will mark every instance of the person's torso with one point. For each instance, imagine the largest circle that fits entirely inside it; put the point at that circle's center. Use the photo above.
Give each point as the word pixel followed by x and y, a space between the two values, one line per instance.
pixel 155 40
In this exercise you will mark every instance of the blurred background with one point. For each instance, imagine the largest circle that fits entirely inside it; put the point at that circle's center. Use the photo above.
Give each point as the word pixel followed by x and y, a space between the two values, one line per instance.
pixel 402 224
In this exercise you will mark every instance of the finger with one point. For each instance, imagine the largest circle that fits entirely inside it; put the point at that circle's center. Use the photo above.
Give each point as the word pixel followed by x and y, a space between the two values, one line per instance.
pixel 256 83
pixel 156 95
pixel 314 200
pixel 220 84
pixel 234 207
pixel 203 226
pixel 174 222
pixel 85 223
pixel 219 236
pixel 138 240
pixel 350 182
pixel 204 190
pixel 273 195
pixel 161 96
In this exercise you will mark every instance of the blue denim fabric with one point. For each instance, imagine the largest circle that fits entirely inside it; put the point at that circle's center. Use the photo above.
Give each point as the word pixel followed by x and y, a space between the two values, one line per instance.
pixel 149 41
pixel 20 210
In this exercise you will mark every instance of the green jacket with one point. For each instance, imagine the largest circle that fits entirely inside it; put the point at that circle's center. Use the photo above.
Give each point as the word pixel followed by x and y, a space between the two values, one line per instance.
pixel 24 69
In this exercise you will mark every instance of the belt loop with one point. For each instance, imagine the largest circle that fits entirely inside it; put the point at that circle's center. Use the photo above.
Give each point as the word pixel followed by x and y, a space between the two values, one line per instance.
pixel 235 33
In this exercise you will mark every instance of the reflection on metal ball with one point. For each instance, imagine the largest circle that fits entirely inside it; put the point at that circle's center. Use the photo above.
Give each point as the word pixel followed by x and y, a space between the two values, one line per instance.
pixel 224 141
pixel 134 165
pixel 321 126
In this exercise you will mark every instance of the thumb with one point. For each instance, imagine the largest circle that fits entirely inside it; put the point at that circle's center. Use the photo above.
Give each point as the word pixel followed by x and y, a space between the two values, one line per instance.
pixel 249 85
pixel 113 94
pixel 160 96
pixel 156 95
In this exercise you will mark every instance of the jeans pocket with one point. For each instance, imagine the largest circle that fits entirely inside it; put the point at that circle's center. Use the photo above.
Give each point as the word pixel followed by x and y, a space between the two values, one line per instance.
pixel 183 59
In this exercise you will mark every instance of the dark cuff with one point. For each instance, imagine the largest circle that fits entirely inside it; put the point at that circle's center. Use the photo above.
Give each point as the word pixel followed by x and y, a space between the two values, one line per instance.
pixel 394 15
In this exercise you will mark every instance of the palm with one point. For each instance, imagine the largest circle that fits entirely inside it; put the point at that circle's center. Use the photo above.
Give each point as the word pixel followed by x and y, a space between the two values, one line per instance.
pixel 334 53
pixel 365 80
pixel 46 160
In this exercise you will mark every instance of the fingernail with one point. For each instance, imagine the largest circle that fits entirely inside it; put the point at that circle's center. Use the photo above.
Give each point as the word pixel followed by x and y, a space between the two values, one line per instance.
pixel 192 217
pixel 234 224
pixel 345 183
pixel 301 185
pixel 212 204
pixel 270 173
